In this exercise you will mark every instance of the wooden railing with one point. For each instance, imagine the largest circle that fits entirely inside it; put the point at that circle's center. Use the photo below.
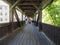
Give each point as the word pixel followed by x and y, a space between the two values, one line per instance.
pixel 8 28
pixel 52 32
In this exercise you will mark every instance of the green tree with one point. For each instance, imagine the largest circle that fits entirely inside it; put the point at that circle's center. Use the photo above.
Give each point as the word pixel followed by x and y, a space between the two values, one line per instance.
pixel 52 13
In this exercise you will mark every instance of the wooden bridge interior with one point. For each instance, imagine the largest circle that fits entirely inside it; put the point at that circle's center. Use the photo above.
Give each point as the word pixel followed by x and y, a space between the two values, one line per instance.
pixel 36 33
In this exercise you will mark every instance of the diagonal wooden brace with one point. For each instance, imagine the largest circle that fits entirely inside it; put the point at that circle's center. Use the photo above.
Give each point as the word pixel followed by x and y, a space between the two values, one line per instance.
pixel 15 4
pixel 17 18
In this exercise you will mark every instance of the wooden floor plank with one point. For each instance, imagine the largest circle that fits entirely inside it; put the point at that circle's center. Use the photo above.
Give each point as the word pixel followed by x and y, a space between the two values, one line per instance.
pixel 29 36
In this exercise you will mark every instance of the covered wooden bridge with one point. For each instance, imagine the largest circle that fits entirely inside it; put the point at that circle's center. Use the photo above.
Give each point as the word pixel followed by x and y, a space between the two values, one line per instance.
pixel 36 33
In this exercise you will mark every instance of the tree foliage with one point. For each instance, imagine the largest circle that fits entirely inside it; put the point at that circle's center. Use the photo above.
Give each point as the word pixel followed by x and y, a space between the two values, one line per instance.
pixel 51 14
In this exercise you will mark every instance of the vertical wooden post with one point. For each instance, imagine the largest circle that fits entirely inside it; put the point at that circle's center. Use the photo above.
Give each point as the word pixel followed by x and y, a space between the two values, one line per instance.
pixel 37 20
pixel 22 18
pixel 12 18
pixel 35 17
pixel 40 19
pixel 12 12
pixel 25 17
pixel 40 15
pixel 17 18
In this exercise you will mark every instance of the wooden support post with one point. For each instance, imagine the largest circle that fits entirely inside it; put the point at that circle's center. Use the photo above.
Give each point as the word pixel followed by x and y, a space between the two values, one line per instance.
pixel 40 16
pixel 40 19
pixel 12 19
pixel 25 15
pixel 22 18
pixel 34 18
pixel 37 20
pixel 12 12
pixel 17 19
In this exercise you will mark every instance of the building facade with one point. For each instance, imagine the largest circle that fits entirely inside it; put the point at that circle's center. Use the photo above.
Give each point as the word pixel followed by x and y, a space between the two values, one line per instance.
pixel 4 12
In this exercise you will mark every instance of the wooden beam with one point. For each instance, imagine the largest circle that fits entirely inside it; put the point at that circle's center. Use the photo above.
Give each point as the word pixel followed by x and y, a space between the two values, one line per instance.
pixel 15 4
pixel 12 18
pixel 28 3
pixel 37 20
pixel 28 9
pixel 18 9
pixel 37 7
pixel 17 18
pixel 40 19
pixel 22 18
pixel 39 16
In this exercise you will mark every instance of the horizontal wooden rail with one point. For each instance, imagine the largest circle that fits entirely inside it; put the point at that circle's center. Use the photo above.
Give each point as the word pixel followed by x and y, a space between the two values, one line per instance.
pixel 8 28
pixel 51 31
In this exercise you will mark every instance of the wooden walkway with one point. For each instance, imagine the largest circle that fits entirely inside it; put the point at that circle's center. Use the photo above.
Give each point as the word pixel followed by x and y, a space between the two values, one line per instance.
pixel 30 36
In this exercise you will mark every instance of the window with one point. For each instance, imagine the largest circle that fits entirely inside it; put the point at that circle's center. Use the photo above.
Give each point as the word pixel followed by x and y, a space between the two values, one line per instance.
pixel 1 19
pixel 5 7
pixel 5 14
pixel 1 7
pixel 0 13
pixel 5 19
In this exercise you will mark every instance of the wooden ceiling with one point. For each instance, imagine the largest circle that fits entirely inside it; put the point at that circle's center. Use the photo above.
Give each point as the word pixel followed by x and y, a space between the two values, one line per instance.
pixel 27 5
